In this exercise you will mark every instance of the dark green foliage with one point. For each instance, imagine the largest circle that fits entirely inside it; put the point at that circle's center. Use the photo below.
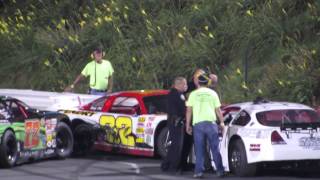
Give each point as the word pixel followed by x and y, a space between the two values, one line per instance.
pixel 45 44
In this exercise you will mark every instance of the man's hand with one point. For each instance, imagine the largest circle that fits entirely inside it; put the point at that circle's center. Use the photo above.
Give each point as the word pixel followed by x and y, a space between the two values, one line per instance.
pixel 189 129
pixel 69 88
pixel 222 127
pixel 220 117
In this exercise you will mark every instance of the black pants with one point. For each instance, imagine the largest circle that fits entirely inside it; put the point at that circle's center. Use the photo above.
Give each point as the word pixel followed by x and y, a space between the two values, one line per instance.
pixel 180 147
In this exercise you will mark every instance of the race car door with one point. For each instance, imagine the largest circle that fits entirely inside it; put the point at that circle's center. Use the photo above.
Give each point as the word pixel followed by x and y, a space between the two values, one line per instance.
pixel 20 118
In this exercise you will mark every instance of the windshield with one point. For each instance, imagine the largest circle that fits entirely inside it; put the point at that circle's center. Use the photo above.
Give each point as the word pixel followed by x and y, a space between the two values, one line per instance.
pixel 287 116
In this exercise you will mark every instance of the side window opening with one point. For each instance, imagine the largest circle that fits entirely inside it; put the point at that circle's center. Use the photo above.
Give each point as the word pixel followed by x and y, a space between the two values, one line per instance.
pixel 98 105
pixel 242 119
pixel 156 104
pixel 126 105
pixel 16 112
pixel 4 114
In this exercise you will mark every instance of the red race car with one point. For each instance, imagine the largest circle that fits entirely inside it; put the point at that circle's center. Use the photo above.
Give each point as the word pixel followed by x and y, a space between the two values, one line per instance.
pixel 130 122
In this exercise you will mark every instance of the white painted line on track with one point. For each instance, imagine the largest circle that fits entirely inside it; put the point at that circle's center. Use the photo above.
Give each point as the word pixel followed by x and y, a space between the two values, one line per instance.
pixel 133 165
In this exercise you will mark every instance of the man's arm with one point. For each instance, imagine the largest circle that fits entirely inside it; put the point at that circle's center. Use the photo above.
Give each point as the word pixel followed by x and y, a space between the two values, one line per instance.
pixel 220 117
pixel 188 120
pixel 110 84
pixel 71 87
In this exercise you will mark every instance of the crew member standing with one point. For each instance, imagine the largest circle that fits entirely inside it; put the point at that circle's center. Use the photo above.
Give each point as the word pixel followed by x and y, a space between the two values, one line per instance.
pixel 203 106
pixel 100 72
pixel 179 149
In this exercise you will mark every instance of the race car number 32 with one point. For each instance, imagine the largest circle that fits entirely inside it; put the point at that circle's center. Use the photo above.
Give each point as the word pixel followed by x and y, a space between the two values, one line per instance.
pixel 118 130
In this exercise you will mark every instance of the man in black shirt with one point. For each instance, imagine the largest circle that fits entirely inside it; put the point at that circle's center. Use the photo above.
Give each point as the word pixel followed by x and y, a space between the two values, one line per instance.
pixel 180 146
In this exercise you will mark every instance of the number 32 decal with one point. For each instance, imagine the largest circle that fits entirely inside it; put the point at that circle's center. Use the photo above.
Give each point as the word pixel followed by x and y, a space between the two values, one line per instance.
pixel 119 130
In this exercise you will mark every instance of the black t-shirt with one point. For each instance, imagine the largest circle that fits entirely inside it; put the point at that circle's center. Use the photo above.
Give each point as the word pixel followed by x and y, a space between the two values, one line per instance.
pixel 191 87
pixel 176 103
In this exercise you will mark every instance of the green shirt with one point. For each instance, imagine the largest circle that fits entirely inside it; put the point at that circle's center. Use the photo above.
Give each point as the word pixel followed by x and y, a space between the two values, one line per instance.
pixel 203 101
pixel 99 74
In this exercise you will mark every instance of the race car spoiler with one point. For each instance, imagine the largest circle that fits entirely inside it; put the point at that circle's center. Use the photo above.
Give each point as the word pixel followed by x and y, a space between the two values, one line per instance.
pixel 300 126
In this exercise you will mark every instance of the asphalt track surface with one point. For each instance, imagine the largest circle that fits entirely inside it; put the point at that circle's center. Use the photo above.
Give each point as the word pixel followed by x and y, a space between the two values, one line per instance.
pixel 104 166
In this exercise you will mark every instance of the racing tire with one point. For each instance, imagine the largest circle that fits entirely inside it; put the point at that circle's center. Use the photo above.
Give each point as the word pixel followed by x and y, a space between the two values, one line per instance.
pixel 162 142
pixel 8 150
pixel 238 162
pixel 64 140
pixel 83 140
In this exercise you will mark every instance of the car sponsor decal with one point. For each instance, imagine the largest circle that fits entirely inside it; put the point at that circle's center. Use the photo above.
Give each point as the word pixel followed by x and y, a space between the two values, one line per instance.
pixel 118 130
pixel 50 125
pixel 4 122
pixel 85 113
pixel 140 138
pixel 141 119
pixel 149 131
pixel 37 154
pixel 149 124
pixel 32 128
pixel 148 139
pixel 310 143
pixel 140 124
pixel 140 130
pixel 254 147
pixel 151 118
pixel 49 151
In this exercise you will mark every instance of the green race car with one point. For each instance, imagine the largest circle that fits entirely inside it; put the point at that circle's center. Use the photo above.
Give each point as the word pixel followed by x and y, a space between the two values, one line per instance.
pixel 27 134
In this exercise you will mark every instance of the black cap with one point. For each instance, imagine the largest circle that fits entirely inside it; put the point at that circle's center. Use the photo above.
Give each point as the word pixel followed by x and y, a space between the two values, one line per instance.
pixel 203 79
pixel 98 49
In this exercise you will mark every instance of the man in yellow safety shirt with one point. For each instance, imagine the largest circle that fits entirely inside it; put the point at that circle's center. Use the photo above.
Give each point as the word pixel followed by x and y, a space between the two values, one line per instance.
pixel 100 72
pixel 203 108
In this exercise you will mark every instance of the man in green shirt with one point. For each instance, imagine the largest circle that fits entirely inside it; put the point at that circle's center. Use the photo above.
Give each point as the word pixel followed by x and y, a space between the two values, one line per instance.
pixel 100 72
pixel 203 106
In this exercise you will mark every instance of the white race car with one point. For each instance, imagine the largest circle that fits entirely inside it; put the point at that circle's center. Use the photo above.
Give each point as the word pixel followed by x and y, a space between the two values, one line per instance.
pixel 264 132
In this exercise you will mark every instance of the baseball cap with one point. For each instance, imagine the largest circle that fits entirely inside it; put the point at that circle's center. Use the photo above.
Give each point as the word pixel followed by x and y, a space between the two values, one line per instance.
pixel 203 79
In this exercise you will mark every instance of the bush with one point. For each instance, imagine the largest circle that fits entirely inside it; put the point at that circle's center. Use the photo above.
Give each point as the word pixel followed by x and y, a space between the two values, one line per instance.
pixel 258 48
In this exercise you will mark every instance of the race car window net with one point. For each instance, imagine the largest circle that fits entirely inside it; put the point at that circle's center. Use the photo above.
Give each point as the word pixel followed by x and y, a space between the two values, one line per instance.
pixel 98 104
pixel 277 118
pixel 125 101
pixel 23 104
pixel 16 112
pixel 156 104
pixel 228 110
pixel 3 112
pixel 126 105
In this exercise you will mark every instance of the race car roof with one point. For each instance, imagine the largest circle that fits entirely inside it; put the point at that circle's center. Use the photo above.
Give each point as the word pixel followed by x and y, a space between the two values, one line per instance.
pixel 270 105
pixel 140 93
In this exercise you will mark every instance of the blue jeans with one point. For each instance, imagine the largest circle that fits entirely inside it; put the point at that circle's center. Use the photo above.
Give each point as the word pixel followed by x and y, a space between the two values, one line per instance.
pixel 206 131
pixel 98 92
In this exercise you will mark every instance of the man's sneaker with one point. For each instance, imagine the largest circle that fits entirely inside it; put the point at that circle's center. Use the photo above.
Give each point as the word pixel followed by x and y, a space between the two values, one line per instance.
pixel 198 175
pixel 220 174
